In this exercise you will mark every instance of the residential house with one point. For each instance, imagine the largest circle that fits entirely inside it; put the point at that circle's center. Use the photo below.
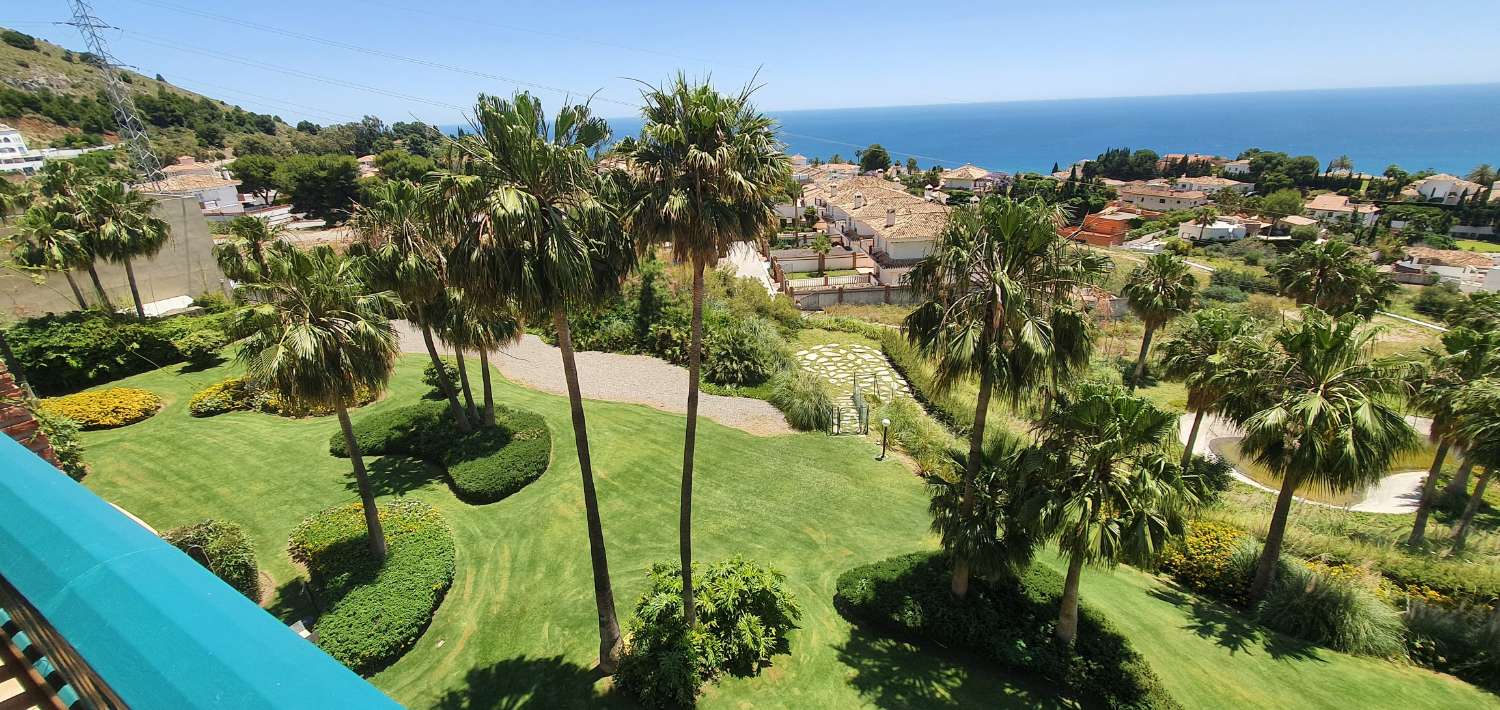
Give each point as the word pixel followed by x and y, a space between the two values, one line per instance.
pixel 1293 221
pixel 877 217
pixel 367 166
pixel 1224 229
pixel 216 190
pixel 1332 208
pixel 1236 167
pixel 1209 185
pixel 1161 199
pixel 1444 188
pixel 15 157
pixel 968 177
pixel 1105 229
pixel 1469 270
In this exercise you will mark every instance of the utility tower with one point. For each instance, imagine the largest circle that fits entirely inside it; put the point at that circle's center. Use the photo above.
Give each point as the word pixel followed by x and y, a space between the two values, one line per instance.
pixel 132 131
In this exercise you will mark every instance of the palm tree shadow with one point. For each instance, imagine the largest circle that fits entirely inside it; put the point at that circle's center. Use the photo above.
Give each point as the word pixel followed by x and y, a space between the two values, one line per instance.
pixel 896 675
pixel 525 682
pixel 191 366
pixel 397 475
pixel 1232 630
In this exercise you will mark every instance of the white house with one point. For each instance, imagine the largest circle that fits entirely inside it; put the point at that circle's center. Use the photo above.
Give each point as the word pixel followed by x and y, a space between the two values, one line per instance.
pixel 1209 185
pixel 964 177
pixel 16 158
pixel 1445 188
pixel 1333 208
pixel 1237 167
pixel 1221 230
pixel 216 192
pixel 879 218
pixel 1161 199
pixel 1469 270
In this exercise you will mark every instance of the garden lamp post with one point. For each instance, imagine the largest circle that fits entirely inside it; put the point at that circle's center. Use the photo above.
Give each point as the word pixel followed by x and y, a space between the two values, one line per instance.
pixel 885 436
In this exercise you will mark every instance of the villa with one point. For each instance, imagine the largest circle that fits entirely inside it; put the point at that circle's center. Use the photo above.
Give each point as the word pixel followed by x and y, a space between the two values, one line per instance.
pixel 1468 270
pixel 1210 185
pixel 15 157
pixel 972 178
pixel 1330 207
pixel 1236 167
pixel 1107 229
pixel 1161 199
pixel 1444 188
pixel 1223 229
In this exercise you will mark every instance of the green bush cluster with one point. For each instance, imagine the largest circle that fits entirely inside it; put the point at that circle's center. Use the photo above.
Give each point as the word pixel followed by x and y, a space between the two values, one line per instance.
pixel 1010 620
pixel 375 611
pixel 484 466
pixel 62 434
pixel 745 353
pixel 229 395
pixel 430 378
pixel 228 551
pixel 1208 560
pixel 70 351
pixel 803 398
pixel 1332 611
pixel 1464 642
pixel 744 615
pixel 201 346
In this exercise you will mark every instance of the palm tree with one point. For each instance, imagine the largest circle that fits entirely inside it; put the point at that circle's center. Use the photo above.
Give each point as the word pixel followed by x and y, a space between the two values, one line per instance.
pixel 46 238
pixel 1335 277
pixel 1195 355
pixel 998 292
pixel 708 171
pixel 121 227
pixel 1317 410
pixel 1158 291
pixel 1477 423
pixel 1110 493
pixel 1467 355
pixel 402 237
pixel 316 335
pixel 990 532
pixel 241 256
pixel 1204 216
pixel 1482 174
pixel 546 242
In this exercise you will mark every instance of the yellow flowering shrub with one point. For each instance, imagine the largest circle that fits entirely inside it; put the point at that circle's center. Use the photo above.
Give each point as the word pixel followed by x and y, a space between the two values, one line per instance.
pixel 1202 560
pixel 237 394
pixel 105 409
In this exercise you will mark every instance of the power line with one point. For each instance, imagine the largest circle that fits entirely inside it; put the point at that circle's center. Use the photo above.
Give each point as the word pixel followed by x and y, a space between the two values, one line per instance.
pixel 132 131
pixel 312 110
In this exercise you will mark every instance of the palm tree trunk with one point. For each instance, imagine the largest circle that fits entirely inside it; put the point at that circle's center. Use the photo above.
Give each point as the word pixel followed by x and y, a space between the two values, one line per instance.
pixel 77 292
pixel 99 289
pixel 460 418
pixel 959 584
pixel 690 439
pixel 1424 506
pixel 463 378
pixel 366 494
pixel 1140 361
pixel 1187 450
pixel 610 640
pixel 1460 482
pixel 135 293
pixel 1461 533
pixel 1067 615
pixel 1265 569
pixel 489 397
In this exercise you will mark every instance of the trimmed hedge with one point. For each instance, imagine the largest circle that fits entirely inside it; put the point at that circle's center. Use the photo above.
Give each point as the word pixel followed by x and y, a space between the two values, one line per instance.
pixel 1009 620
pixel 236 394
pixel 70 351
pixel 228 550
pixel 484 466
pixel 105 409
pixel 375 612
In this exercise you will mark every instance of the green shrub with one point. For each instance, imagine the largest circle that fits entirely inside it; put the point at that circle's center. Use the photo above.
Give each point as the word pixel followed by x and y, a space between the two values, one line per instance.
pixel 106 408
pixel 1204 560
pixel 62 434
pixel 1464 642
pixel 1437 299
pixel 484 466
pixel 1332 611
pixel 1242 281
pixel 744 353
pixel 1009 620
pixel 803 398
pixel 1224 294
pixel 1210 476
pixel 68 352
pixel 202 346
pixel 374 612
pixel 744 616
pixel 430 378
pixel 223 396
pixel 227 549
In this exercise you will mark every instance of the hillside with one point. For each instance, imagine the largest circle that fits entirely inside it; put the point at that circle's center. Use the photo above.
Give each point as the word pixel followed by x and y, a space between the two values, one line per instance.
pixel 50 91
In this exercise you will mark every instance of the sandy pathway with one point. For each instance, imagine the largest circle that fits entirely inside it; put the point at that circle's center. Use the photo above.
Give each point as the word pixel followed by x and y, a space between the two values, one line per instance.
pixel 611 377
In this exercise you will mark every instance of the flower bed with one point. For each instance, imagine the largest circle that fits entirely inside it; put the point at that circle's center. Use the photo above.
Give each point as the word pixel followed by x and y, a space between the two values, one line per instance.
pixel 106 408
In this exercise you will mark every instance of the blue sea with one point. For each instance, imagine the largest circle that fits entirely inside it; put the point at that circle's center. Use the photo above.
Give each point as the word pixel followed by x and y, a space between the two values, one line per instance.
pixel 1444 128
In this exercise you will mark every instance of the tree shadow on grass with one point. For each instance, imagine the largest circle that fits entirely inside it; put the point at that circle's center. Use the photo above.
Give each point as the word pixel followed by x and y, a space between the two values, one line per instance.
pixel 1233 630
pixel 191 366
pixel 530 683
pixel 893 674
pixel 291 601
pixel 396 475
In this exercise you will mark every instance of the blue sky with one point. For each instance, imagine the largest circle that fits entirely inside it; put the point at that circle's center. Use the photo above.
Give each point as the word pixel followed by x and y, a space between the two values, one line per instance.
pixel 811 55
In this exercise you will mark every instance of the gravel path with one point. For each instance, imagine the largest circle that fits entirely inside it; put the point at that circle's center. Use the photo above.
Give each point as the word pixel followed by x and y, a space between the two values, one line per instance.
pixel 611 377
pixel 1396 494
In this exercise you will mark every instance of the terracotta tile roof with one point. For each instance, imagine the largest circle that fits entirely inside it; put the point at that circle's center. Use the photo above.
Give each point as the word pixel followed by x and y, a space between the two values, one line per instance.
pixel 968 171
pixel 1449 257
pixel 1155 191
pixel 915 218
pixel 188 183
pixel 1211 181
pixel 1333 202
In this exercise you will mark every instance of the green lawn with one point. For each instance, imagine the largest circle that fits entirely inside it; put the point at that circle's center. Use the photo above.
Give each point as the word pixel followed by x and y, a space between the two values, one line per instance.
pixel 518 626
pixel 1476 245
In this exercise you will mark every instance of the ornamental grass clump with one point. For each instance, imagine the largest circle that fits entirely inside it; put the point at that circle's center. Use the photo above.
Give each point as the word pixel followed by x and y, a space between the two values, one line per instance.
pixel 105 409
pixel 801 396
pixel 1334 610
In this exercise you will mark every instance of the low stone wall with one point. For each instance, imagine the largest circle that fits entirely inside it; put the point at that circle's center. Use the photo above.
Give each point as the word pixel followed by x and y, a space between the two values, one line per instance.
pixel 823 297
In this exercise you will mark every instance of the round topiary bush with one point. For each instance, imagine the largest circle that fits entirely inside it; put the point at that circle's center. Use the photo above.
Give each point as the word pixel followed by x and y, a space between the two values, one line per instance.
pixel 106 408
pixel 227 549
pixel 374 611
pixel 228 395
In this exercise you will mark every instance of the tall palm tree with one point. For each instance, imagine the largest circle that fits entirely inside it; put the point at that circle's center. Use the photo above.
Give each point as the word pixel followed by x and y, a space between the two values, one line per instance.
pixel 1203 217
pixel 401 236
pixel 1477 422
pixel 1335 277
pixel 1467 356
pixel 1158 291
pixel 242 254
pixel 121 227
pixel 546 242
pixel 998 304
pixel 1195 355
pixel 316 335
pixel 991 535
pixel 1317 410
pixel 708 171
pixel 47 238
pixel 1110 493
